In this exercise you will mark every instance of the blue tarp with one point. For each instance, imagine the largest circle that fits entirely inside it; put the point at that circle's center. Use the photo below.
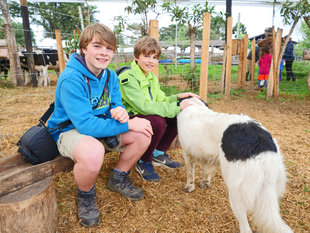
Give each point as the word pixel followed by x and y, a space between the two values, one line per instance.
pixel 181 61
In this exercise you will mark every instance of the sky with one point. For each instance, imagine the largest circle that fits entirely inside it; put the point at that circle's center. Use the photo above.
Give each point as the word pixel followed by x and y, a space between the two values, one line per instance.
pixel 255 18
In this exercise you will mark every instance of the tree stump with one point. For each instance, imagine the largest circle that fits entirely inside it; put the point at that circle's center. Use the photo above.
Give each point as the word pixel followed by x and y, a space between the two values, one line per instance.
pixel 31 209
pixel 27 197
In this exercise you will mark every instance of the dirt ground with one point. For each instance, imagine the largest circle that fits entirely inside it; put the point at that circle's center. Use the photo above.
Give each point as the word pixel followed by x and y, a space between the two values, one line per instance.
pixel 166 207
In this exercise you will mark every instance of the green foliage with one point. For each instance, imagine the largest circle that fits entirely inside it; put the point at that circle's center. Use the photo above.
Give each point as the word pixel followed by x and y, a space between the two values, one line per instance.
pixel 306 36
pixel 18 31
pixel 143 8
pixel 293 11
pixel 242 30
pixel 55 15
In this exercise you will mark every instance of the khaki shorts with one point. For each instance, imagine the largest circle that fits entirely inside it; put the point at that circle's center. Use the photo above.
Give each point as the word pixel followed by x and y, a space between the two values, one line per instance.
pixel 67 141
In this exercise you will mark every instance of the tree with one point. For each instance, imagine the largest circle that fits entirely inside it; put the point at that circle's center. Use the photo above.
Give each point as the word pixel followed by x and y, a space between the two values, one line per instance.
pixel 242 30
pixel 190 16
pixel 18 32
pixel 54 15
pixel 143 8
pixel 118 29
pixel 292 12
pixel 15 68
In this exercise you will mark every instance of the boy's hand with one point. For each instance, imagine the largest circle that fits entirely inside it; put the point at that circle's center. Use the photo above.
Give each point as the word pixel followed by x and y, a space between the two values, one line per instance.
pixel 187 94
pixel 140 125
pixel 120 114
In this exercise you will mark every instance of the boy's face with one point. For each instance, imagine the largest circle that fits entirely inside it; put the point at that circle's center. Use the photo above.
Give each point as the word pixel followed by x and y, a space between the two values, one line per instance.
pixel 147 62
pixel 98 55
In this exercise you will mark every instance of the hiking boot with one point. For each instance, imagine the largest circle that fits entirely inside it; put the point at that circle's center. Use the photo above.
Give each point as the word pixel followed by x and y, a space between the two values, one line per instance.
pixel 120 182
pixel 88 212
pixel 147 172
pixel 164 160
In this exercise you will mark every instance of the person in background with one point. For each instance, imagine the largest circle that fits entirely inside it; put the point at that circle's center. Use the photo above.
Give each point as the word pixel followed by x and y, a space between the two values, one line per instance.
pixel 289 58
pixel 264 67
pixel 143 98
pixel 88 94
pixel 267 41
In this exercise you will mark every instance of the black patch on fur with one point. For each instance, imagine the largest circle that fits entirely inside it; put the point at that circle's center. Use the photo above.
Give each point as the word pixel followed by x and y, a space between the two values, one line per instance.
pixel 246 140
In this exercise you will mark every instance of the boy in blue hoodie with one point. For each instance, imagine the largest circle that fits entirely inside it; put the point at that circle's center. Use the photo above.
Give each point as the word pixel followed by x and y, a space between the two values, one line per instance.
pixel 96 112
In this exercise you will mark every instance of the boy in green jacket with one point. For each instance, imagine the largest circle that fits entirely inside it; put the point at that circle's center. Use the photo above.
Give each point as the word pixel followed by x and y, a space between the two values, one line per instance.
pixel 142 97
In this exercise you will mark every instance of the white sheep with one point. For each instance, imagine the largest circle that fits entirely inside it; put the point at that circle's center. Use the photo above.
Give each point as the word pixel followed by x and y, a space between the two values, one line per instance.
pixel 249 158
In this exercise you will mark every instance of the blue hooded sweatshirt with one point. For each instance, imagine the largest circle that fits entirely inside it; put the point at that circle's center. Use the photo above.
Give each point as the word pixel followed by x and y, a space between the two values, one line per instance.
pixel 73 101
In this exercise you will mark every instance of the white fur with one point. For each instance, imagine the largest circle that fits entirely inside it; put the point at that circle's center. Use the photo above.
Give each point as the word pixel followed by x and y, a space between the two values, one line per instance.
pixel 254 185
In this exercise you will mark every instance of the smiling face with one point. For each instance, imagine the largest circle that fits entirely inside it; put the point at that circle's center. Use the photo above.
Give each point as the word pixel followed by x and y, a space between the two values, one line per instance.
pixel 98 55
pixel 147 62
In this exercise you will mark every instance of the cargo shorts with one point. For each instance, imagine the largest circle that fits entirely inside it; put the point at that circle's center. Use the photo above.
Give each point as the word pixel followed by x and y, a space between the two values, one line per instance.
pixel 67 141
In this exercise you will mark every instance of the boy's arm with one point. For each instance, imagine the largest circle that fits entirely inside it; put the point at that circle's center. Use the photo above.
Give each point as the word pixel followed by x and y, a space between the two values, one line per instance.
pixel 134 96
pixel 79 110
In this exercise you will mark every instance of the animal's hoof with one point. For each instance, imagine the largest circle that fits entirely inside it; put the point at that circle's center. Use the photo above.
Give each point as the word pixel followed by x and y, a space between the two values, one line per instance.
pixel 189 188
pixel 204 185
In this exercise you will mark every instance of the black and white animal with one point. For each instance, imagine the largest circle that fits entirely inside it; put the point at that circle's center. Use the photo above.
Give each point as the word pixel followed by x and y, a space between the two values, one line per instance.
pixel 249 159
pixel 44 60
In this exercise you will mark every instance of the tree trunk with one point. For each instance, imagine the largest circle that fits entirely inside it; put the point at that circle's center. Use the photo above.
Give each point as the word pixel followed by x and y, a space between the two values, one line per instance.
pixel 16 71
pixel 192 32
pixel 32 209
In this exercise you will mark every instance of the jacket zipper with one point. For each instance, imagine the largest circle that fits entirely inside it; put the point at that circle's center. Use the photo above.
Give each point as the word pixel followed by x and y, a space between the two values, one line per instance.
pixel 150 92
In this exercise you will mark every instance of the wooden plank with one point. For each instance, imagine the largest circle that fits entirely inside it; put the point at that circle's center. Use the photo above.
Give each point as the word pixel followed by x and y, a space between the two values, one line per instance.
pixel 16 173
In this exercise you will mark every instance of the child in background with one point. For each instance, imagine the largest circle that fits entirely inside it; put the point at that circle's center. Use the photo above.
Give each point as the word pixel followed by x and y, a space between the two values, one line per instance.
pixel 264 67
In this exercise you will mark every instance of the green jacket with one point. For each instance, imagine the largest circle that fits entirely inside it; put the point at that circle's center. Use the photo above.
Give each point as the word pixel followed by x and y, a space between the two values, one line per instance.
pixel 142 95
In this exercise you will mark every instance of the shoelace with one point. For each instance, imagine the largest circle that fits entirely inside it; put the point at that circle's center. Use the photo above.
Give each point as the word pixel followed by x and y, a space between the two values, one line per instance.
pixel 89 203
pixel 127 183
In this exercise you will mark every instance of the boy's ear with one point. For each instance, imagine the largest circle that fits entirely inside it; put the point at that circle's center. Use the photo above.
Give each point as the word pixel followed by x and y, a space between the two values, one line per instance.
pixel 84 50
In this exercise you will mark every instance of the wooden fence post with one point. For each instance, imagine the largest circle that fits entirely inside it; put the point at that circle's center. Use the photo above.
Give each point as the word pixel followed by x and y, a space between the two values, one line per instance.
pixel 253 62
pixel 60 51
pixel 229 50
pixel 240 63
pixel 245 52
pixel 203 92
pixel 154 33
pixel 277 63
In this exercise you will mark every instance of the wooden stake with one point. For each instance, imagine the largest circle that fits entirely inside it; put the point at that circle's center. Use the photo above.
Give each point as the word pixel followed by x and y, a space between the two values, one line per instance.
pixel 60 51
pixel 253 62
pixel 205 56
pixel 154 33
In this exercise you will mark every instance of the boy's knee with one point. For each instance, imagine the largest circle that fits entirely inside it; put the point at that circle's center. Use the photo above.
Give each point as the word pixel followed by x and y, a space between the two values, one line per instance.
pixel 90 153
pixel 158 123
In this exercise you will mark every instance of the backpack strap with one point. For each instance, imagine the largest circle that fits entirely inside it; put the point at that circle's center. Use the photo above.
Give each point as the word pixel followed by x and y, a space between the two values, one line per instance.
pixel 122 69
pixel 105 89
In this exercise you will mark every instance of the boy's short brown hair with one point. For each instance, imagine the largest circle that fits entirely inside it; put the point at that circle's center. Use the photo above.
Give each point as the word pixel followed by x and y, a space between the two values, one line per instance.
pixel 147 45
pixel 103 33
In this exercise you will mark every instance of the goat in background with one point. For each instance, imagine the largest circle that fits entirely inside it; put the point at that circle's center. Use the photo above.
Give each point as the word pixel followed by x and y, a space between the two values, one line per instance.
pixel 249 158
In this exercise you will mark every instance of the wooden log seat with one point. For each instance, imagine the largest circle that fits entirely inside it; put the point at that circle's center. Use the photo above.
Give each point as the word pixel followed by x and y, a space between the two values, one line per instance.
pixel 27 196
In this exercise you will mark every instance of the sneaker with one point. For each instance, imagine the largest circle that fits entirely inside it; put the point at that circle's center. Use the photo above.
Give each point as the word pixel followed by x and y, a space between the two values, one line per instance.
pixel 147 172
pixel 120 182
pixel 88 212
pixel 164 160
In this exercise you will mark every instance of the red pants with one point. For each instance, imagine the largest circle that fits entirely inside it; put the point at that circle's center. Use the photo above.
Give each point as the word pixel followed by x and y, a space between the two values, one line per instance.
pixel 164 132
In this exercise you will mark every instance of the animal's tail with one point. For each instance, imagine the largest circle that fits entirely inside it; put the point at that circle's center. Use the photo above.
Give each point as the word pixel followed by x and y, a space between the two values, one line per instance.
pixel 266 212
